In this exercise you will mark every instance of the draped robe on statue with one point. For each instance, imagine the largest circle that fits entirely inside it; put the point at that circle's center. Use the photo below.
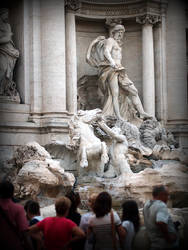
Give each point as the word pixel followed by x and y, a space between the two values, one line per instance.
pixel 96 58
pixel 8 56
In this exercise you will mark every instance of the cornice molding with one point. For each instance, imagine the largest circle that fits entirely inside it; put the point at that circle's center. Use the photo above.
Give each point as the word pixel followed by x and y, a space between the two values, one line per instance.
pixel 126 9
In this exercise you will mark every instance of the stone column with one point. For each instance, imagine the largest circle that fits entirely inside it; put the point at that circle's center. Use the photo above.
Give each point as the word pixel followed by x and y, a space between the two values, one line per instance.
pixel 71 62
pixel 177 64
pixel 160 70
pixel 35 60
pixel 148 77
pixel 53 58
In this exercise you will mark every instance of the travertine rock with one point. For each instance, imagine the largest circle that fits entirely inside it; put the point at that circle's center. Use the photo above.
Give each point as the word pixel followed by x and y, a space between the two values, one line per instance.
pixel 29 152
pixel 37 172
pixel 41 150
pixel 139 185
pixel 63 153
pixel 164 152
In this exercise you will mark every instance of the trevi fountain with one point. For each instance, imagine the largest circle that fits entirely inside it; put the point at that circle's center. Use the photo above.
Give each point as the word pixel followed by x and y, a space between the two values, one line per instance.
pixel 90 112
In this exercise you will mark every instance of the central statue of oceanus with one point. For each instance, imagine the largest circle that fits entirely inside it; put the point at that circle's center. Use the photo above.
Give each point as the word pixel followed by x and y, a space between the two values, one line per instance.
pixel 120 94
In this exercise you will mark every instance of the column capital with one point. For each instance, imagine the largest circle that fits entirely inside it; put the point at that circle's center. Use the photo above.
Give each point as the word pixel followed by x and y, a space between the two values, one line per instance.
pixel 73 5
pixel 148 19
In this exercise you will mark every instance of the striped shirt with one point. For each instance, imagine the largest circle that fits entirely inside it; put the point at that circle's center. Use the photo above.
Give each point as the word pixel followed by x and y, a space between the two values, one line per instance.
pixel 103 232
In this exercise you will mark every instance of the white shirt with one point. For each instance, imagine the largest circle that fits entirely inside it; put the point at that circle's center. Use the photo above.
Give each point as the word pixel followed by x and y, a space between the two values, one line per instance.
pixel 130 233
pixel 156 211
pixel 84 222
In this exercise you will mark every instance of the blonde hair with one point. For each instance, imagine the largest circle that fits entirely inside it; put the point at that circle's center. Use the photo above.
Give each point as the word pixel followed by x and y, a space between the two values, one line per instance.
pixel 62 204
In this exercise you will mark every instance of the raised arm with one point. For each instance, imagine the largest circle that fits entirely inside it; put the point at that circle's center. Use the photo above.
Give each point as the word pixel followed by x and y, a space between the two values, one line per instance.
pixel 110 132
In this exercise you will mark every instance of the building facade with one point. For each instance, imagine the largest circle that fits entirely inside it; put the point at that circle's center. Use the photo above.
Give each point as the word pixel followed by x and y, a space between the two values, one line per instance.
pixel 52 37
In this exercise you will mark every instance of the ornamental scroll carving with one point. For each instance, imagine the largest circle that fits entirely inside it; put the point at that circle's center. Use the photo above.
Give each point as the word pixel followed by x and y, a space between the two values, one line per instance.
pixel 73 4
pixel 148 19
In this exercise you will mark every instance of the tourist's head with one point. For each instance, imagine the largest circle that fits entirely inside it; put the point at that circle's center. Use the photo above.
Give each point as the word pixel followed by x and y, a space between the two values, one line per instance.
pixel 74 197
pixel 102 205
pixel 32 208
pixel 131 212
pixel 117 32
pixel 6 190
pixel 62 206
pixel 91 200
pixel 27 204
pixel 160 192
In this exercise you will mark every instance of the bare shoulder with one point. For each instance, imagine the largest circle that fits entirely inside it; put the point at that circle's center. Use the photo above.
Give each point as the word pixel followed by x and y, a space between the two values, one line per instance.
pixel 109 40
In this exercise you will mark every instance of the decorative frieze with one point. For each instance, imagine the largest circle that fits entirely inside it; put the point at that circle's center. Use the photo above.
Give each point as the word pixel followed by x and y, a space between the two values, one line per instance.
pixel 125 9
pixel 117 10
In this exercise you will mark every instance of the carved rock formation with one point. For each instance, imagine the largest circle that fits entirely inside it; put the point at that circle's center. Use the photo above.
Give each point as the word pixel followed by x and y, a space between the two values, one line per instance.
pixel 152 133
pixel 38 174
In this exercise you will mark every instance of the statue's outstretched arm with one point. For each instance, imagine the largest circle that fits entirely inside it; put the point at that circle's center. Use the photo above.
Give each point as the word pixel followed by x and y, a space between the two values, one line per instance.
pixel 110 132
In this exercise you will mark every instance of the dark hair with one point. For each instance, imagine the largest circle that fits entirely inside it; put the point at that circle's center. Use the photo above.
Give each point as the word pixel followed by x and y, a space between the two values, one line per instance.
pixel 158 189
pixel 130 212
pixel 32 207
pixel 103 204
pixel 75 200
pixel 27 204
pixel 6 190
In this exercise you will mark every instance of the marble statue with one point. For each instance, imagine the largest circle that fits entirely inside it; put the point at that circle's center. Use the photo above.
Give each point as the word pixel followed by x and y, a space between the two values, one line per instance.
pixel 118 150
pixel 8 57
pixel 153 133
pixel 106 55
pixel 90 148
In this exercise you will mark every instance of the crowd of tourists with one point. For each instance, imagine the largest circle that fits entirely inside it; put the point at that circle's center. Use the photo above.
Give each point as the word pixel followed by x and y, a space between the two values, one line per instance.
pixel 22 227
